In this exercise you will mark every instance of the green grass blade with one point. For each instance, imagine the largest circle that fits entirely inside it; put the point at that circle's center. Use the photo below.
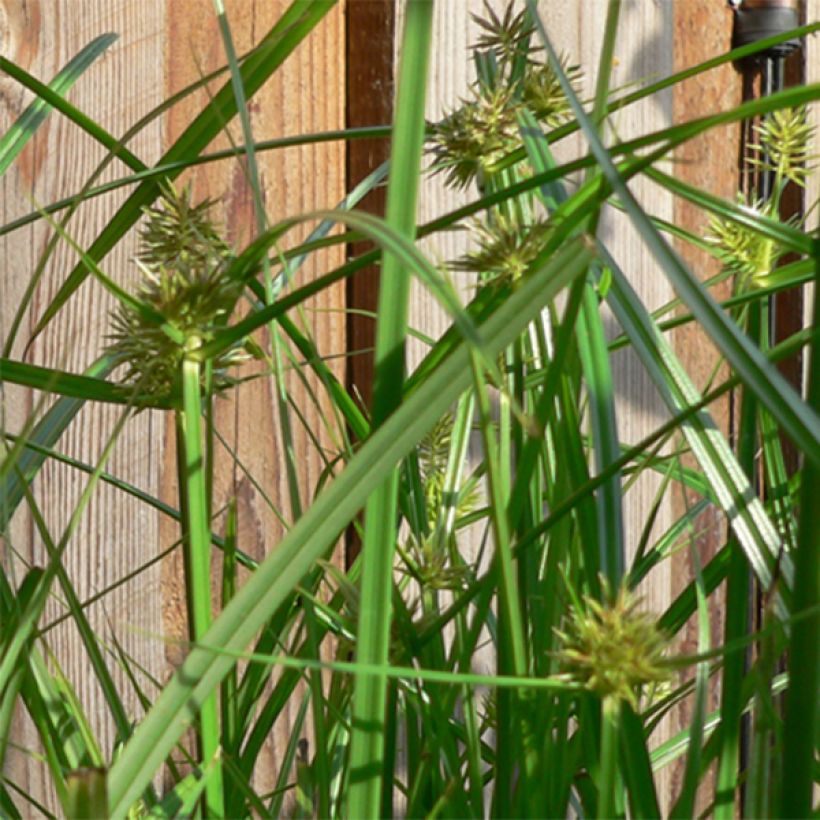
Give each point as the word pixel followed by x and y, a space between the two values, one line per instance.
pixel 165 170
pixel 61 382
pixel 373 634
pixel 685 804
pixel 51 96
pixel 294 25
pixel 595 358
pixel 736 497
pixel 198 563
pixel 802 718
pixel 637 767
pixel 46 433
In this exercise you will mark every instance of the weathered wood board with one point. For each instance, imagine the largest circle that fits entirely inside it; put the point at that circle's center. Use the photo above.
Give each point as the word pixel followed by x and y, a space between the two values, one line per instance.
pixel 116 534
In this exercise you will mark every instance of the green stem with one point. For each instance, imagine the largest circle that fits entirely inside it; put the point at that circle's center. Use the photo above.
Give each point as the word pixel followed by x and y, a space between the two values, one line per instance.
pixel 737 604
pixel 373 634
pixel 609 757
pixel 801 721
pixel 193 483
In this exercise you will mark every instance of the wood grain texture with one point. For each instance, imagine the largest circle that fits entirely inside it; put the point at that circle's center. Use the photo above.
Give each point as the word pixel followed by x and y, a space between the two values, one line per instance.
pixel 116 535
pixel 306 95
pixel 370 33
pixel 710 162
pixel 163 46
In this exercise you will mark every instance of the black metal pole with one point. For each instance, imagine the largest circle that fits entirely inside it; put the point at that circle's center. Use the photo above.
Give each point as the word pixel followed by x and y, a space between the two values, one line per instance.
pixel 756 20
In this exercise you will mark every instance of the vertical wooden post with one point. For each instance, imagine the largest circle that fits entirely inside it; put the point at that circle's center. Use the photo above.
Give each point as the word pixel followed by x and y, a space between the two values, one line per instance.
pixel 703 29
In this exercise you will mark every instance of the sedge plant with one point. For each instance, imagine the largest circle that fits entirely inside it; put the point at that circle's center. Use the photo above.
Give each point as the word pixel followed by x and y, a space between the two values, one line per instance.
pixel 488 651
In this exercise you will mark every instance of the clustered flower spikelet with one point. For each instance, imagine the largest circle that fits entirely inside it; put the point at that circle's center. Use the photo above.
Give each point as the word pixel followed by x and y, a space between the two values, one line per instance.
pixel 506 37
pixel 505 249
pixel 470 141
pixel 785 136
pixel 431 561
pixel 744 253
pixel 613 649
pixel 183 261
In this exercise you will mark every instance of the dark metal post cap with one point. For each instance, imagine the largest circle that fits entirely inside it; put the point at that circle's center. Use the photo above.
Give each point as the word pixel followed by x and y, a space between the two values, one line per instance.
pixel 758 19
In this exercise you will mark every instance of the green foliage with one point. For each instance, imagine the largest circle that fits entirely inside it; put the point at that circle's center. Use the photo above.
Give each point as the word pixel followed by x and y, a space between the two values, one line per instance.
pixel 613 648
pixel 471 662
pixel 183 261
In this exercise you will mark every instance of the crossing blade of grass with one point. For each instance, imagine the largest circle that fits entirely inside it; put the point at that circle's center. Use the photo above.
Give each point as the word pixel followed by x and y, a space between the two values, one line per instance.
pixel 736 497
pixel 31 614
pixel 295 24
pixel 512 658
pixel 164 170
pixel 652 89
pixel 318 528
pixel 685 804
pixel 380 522
pixel 15 139
pixel 802 719
pixel 595 357
pixel 637 767
pixel 89 639
pixel 9 624
pixel 737 598
pixel 61 382
pixel 786 236
pixel 20 467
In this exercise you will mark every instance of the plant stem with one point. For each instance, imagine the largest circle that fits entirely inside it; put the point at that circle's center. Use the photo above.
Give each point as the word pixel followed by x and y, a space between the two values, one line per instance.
pixel 610 710
pixel 804 648
pixel 373 636
pixel 192 483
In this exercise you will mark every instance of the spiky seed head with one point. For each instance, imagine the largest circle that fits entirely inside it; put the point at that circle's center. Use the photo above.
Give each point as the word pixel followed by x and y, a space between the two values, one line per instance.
pixel 614 648
pixel 783 147
pixel 543 94
pixel 505 248
pixel 506 37
pixel 182 260
pixel 471 140
pixel 744 253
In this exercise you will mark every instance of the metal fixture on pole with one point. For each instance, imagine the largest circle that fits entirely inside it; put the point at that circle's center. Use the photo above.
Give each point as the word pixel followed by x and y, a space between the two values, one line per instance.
pixel 756 20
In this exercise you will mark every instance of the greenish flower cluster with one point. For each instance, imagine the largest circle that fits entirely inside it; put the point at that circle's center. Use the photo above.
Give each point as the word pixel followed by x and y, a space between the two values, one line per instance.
pixel 782 150
pixel 431 561
pixel 505 248
pixel 783 147
pixel 183 260
pixel 470 141
pixel 744 253
pixel 613 649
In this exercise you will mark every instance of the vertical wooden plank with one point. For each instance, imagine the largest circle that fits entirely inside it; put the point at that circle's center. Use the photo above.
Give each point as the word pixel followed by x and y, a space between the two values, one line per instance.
pixel 370 32
pixel 710 162
pixel 116 535
pixel 306 95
